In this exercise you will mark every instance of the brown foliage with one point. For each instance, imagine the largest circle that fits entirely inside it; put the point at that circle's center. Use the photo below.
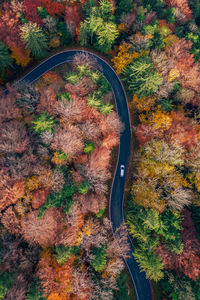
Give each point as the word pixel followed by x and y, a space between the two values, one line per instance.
pixel 119 246
pixel 90 202
pixel 75 110
pixel 13 137
pixel 97 168
pixel 110 141
pixel 81 89
pixel 48 99
pixel 11 193
pixel 41 231
pixel 68 140
pixel 90 131
pixel 145 133
pixel 111 124
pixel 85 59
pixel 10 221
pixel 22 166
pixel 8 109
pixel 47 274
pixel 39 198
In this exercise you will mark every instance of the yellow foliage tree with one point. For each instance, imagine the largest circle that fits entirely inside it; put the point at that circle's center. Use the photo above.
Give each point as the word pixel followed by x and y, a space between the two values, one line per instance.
pixel 161 120
pixel 142 104
pixel 124 57
pixel 144 194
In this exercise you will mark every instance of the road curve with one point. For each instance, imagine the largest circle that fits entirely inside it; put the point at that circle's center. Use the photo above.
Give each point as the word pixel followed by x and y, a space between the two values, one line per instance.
pixel 138 278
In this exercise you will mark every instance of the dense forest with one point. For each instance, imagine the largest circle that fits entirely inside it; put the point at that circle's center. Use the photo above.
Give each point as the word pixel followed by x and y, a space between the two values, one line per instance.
pixel 57 138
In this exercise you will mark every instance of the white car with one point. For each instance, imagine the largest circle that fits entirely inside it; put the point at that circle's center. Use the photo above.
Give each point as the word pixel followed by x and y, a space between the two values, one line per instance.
pixel 122 169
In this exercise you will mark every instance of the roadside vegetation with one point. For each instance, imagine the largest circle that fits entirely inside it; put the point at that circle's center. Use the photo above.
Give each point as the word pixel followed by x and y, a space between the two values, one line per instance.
pixel 57 139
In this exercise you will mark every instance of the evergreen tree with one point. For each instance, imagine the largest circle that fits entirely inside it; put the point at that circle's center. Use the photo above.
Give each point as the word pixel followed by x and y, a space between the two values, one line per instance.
pixel 35 39
pixel 5 59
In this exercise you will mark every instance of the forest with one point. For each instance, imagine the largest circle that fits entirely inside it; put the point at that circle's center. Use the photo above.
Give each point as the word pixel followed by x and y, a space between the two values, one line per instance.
pixel 58 139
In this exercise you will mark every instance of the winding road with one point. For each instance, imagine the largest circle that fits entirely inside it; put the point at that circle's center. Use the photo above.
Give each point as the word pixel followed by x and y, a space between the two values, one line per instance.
pixel 138 278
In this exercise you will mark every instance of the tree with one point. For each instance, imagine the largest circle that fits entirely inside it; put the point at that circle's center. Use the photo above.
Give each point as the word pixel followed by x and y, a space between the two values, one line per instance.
pixel 27 97
pixel 13 137
pixel 100 258
pixel 73 17
pixel 21 56
pixel 99 26
pixel 106 36
pixel 123 58
pixel 5 58
pixel 8 108
pixel 41 231
pixel 124 7
pixel 68 140
pixel 11 222
pixel 35 39
pixel 39 197
pixel 141 78
pixel 150 263
pixel 44 122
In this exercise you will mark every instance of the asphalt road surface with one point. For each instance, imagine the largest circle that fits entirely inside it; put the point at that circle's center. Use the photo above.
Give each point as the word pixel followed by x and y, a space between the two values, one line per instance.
pixel 138 278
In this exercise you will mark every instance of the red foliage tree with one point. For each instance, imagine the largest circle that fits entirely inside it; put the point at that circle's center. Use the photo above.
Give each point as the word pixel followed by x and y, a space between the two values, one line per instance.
pixel 31 11
pixel 182 131
pixel 185 63
pixel 10 27
pixel 145 133
pixel 188 261
pixel 73 17
pixel 53 7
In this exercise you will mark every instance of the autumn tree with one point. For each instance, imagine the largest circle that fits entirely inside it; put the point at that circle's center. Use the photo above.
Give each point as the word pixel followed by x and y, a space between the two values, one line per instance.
pixel 41 231
pixel 13 138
